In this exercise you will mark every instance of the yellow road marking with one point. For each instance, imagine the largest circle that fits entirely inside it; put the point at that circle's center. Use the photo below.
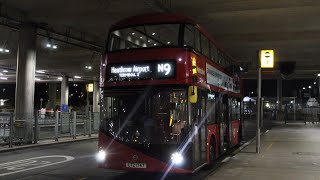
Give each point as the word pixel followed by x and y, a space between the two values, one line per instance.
pixel 273 141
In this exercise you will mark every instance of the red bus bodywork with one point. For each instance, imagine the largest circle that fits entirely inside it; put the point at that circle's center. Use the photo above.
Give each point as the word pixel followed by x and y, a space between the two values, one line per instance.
pixel 120 153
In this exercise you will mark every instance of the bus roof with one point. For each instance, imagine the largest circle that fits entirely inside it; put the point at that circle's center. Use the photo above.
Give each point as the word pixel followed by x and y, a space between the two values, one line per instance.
pixel 152 18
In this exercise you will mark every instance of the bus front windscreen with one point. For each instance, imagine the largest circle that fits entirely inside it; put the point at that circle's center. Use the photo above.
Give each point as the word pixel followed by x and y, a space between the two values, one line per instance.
pixel 147 36
pixel 153 117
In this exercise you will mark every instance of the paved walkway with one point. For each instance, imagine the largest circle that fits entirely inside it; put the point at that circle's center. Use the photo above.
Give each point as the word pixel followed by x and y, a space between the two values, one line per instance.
pixel 48 142
pixel 289 152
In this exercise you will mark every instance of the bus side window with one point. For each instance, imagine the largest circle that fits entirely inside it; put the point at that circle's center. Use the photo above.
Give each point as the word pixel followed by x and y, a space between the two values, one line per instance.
pixel 205 45
pixel 213 53
pixel 211 108
pixel 188 40
pixel 197 41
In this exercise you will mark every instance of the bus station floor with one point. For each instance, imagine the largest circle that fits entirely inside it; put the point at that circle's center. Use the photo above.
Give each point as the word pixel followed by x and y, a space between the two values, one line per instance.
pixel 288 152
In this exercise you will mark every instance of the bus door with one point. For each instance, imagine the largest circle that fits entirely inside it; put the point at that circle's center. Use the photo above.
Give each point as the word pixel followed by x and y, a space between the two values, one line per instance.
pixel 198 114
pixel 224 122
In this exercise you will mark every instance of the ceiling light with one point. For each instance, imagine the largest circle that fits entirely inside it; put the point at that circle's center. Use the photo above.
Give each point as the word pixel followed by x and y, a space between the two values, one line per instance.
pixel 309 87
pixel 6 50
pixel 88 67
pixel 103 64
pixel 133 33
pixel 153 34
pixel 40 71
pixel 60 78
pixel 1 74
pixel 48 45
pixel 314 83
pixel 54 46
pixel 149 41
pixel 37 79
pixel 77 77
pixel 3 78
pixel 319 74
pixel 5 71
pixel 141 37
pixel 154 44
pixel 303 88
pixel 1 50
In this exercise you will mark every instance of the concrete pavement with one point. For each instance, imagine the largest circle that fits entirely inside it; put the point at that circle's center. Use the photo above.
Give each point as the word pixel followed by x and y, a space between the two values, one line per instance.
pixel 289 152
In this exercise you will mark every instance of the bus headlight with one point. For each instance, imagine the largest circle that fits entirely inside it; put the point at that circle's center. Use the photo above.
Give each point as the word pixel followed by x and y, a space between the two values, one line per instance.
pixel 176 158
pixel 101 156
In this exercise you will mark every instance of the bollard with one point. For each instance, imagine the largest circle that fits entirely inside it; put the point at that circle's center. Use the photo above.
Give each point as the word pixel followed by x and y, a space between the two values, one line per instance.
pixel 56 127
pixel 90 118
pixel 36 128
pixel 74 124
pixel 11 130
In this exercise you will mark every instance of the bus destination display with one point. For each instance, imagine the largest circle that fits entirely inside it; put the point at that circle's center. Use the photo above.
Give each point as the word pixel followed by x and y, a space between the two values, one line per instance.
pixel 141 71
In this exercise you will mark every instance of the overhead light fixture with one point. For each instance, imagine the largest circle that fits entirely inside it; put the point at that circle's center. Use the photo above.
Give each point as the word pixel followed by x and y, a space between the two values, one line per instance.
pixel 309 87
pixel 149 41
pixel 1 74
pixel 153 34
pixel 52 46
pixel 141 37
pixel 5 71
pixel 77 77
pixel 319 75
pixel 154 44
pixel 88 67
pixel 133 33
pixel 303 88
pixel 103 64
pixel 168 42
pixel 40 71
pixel 37 79
pixel 314 82
pixel 4 50
pixel 60 78
pixel 3 78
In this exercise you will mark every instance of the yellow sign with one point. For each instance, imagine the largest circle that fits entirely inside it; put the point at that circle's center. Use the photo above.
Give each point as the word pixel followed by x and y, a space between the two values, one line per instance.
pixel 90 87
pixel 266 58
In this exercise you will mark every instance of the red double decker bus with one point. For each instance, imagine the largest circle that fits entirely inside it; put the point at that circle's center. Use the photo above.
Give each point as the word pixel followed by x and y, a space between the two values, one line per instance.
pixel 170 96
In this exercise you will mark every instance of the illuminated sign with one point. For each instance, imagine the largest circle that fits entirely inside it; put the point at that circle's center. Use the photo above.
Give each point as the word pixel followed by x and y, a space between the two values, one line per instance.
pixel 266 58
pixel 141 71
pixel 90 87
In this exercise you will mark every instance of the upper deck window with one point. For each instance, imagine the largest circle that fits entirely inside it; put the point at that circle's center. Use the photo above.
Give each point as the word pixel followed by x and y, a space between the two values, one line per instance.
pixel 160 35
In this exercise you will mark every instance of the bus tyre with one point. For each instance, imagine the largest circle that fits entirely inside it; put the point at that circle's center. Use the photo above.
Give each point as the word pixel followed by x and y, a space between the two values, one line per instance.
pixel 212 149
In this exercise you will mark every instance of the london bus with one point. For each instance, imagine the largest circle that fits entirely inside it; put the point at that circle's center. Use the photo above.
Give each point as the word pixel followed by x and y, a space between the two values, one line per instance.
pixel 170 96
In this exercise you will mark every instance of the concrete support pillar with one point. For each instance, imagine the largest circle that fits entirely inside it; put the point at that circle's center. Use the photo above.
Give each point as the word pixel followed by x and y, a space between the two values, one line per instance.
pixel 52 92
pixel 96 97
pixel 64 94
pixel 25 78
pixel 279 98
pixel 319 88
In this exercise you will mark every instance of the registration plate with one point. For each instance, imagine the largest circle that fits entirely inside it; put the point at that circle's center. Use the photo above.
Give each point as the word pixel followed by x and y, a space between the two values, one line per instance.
pixel 136 165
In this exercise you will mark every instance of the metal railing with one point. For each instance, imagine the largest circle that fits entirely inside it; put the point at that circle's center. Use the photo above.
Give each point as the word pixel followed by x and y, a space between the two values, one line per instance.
pixel 19 129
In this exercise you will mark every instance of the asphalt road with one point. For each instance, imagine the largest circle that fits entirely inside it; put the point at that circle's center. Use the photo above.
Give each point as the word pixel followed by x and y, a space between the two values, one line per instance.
pixel 68 161
pixel 75 161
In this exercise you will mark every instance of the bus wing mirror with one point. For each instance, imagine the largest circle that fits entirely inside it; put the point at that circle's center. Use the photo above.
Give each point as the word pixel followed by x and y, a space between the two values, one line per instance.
pixel 193 94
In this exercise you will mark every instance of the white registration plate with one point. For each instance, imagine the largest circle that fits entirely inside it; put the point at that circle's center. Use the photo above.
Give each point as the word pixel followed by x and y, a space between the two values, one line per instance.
pixel 136 165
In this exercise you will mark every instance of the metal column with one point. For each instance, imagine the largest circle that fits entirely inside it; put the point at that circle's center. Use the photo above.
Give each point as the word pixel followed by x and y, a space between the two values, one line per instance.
pixel 258 112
